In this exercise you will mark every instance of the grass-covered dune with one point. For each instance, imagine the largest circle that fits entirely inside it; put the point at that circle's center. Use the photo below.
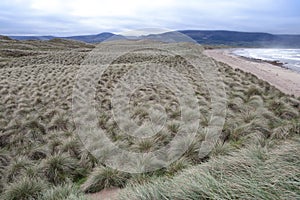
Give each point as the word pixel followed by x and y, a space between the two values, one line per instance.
pixel 263 170
pixel 41 156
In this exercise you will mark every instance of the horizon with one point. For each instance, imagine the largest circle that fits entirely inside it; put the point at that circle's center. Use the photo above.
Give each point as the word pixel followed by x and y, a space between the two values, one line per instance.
pixel 85 17
pixel 144 34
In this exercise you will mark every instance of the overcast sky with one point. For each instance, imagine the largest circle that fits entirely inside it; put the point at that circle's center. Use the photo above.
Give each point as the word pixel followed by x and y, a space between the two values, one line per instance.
pixel 73 17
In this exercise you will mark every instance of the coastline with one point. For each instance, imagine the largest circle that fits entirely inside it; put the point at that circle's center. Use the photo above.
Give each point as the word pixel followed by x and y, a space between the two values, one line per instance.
pixel 276 62
pixel 283 79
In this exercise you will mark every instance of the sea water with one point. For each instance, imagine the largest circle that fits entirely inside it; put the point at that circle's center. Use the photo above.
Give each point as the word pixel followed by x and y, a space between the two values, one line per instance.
pixel 289 57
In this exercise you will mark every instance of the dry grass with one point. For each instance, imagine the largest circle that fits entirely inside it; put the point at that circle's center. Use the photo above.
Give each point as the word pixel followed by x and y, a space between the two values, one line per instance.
pixel 37 132
pixel 256 172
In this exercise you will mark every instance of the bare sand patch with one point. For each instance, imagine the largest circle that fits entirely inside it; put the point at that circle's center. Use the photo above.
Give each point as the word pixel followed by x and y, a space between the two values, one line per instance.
pixel 105 194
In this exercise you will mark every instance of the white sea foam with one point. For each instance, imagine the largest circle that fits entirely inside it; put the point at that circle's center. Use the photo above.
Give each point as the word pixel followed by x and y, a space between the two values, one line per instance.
pixel 289 57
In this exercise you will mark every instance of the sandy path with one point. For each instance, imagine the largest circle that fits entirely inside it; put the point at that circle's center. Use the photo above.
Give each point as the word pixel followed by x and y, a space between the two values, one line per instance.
pixel 106 194
pixel 285 80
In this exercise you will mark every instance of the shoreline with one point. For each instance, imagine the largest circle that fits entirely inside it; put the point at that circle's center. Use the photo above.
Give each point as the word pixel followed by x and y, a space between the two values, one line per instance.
pixel 275 62
pixel 274 73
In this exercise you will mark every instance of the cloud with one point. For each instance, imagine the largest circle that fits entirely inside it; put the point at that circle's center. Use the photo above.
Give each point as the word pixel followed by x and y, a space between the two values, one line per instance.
pixel 67 17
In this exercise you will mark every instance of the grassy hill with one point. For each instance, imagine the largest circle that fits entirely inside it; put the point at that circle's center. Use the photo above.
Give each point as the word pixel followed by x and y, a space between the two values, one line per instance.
pixel 225 38
pixel 42 157
pixel 243 39
pixel 83 38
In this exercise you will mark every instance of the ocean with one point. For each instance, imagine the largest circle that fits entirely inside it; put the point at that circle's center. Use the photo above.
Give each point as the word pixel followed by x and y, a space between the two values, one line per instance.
pixel 289 57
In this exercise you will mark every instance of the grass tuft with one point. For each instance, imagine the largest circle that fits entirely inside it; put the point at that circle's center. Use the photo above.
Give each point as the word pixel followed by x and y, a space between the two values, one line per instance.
pixel 103 177
pixel 63 192
pixel 60 168
pixel 24 189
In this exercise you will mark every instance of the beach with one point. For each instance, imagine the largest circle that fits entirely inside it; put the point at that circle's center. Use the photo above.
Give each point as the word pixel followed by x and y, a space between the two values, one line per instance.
pixel 283 79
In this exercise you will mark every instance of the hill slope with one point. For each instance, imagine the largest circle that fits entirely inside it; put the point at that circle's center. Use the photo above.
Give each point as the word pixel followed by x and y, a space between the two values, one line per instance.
pixel 84 38
pixel 228 38
pixel 247 39
pixel 42 157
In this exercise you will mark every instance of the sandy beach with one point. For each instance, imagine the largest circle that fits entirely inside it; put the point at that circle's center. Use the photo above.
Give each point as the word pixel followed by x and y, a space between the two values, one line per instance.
pixel 284 79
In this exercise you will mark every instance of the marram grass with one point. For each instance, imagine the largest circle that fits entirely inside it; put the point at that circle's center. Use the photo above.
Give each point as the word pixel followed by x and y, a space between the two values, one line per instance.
pixel 39 146
pixel 255 172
